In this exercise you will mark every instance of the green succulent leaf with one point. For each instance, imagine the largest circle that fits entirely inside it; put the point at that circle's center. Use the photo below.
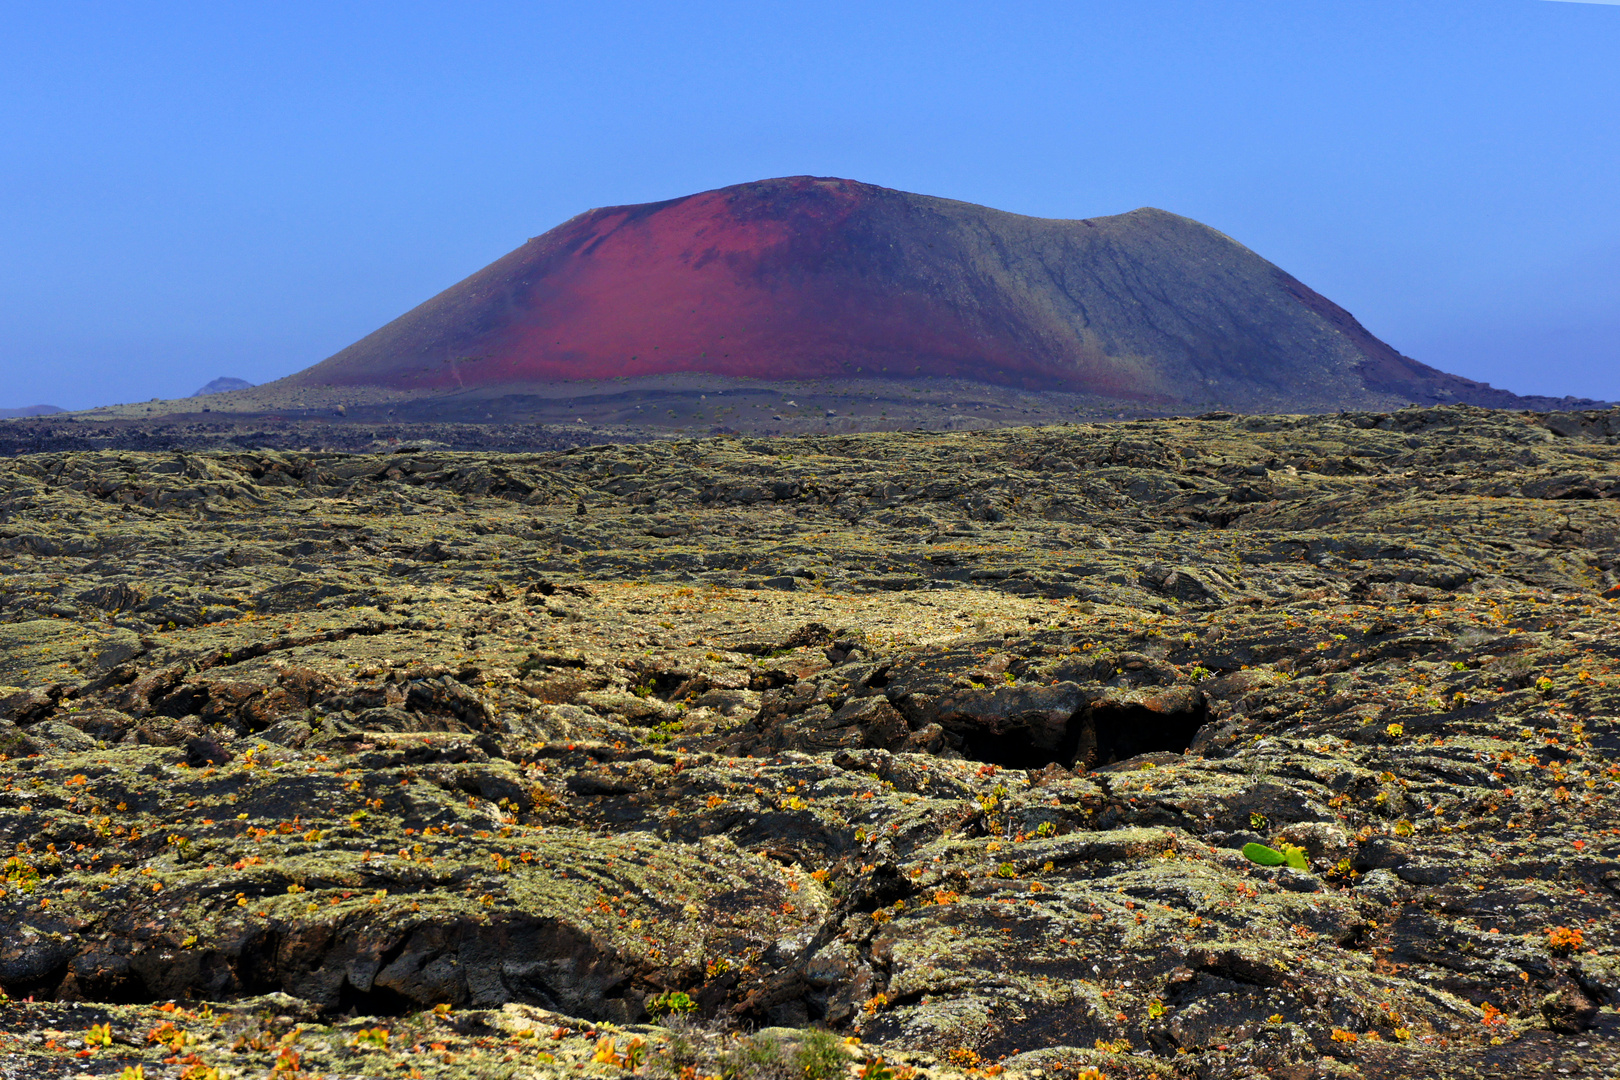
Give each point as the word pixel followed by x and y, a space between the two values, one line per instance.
pixel 1265 856
pixel 1259 853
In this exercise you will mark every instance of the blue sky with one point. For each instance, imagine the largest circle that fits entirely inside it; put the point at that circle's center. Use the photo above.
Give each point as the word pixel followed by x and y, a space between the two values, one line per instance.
pixel 194 190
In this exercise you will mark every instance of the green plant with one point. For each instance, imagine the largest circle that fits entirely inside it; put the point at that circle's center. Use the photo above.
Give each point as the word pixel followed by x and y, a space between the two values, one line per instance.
pixel 662 733
pixel 671 1003
pixel 758 1058
pixel 874 1069
pixel 631 1058
pixel 1006 870
pixel 681 1045
pixel 1265 856
pixel 820 1057
pixel 20 875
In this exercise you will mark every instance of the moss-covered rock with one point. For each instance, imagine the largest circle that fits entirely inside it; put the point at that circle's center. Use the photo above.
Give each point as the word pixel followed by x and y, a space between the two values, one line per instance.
pixel 327 741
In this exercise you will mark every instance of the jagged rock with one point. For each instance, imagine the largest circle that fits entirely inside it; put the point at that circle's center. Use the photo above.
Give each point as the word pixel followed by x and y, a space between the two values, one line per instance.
pixel 827 805
pixel 1569 1009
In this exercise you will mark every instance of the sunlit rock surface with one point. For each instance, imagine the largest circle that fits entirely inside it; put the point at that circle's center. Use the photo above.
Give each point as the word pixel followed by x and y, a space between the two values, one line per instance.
pixel 948 742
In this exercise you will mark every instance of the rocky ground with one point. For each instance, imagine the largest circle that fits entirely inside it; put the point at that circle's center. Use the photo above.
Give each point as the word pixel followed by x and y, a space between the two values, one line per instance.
pixel 559 415
pixel 663 757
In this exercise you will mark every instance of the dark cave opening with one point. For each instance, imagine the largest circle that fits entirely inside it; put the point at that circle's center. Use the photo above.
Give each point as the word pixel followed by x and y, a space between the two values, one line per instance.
pixel 378 1001
pixel 1101 734
pixel 1016 749
pixel 1124 731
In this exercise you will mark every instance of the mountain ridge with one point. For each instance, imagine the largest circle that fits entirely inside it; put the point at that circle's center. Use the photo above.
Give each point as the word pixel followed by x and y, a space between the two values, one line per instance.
pixel 816 277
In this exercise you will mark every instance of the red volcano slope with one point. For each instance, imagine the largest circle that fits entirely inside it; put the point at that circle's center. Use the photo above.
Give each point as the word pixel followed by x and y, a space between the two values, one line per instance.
pixel 805 277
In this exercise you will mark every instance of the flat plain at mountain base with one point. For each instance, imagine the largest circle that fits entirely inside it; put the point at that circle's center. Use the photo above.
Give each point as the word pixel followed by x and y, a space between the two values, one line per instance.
pixel 662 758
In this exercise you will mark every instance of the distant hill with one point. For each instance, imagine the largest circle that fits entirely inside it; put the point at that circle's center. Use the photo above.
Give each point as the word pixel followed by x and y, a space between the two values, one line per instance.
pixel 222 384
pixel 29 410
pixel 815 278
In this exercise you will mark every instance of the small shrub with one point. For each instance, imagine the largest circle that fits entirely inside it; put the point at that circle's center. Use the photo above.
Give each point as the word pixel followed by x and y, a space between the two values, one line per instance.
pixel 1565 939
pixel 20 875
pixel 662 733
pixel 820 1057
pixel 758 1058
pixel 671 1003
pixel 682 1046
pixel 875 1069
pixel 632 1057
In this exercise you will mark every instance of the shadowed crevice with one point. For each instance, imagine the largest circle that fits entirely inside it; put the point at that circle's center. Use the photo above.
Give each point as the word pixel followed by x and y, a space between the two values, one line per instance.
pixel 1120 731
pixel 1100 734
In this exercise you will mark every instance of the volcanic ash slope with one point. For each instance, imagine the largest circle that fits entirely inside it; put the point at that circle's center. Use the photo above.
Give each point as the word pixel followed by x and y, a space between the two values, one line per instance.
pixel 806 278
